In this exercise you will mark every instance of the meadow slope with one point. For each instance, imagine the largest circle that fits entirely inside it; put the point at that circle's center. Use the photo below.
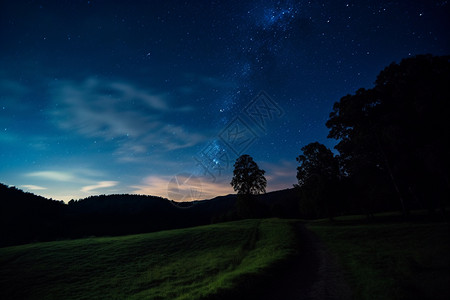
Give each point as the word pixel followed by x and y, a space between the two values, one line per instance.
pixel 194 263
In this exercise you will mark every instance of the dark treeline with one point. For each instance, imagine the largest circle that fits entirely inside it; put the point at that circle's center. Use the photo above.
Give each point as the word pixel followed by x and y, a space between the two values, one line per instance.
pixel 25 217
pixel 393 144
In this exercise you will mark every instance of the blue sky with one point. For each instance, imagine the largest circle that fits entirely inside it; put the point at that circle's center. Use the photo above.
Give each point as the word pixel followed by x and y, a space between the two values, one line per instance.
pixel 100 97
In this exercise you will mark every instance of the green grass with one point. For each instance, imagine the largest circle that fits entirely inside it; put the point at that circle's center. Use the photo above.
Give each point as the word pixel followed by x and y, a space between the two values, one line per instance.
pixel 390 260
pixel 195 263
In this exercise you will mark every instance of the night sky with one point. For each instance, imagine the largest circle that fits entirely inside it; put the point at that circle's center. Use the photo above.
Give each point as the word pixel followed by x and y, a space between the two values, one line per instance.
pixel 101 97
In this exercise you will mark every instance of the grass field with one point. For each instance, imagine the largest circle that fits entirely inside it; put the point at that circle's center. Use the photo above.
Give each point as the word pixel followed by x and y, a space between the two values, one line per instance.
pixel 194 263
pixel 390 260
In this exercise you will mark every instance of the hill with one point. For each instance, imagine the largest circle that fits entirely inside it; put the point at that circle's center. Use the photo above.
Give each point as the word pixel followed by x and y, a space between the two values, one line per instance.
pixel 26 217
pixel 222 260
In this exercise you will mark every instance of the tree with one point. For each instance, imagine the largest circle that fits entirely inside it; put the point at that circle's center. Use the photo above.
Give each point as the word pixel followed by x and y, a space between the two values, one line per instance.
pixel 316 161
pixel 318 177
pixel 353 123
pixel 399 130
pixel 248 178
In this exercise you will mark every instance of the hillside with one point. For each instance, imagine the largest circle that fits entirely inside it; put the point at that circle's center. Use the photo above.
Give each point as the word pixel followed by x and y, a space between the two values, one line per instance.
pixel 195 263
pixel 26 217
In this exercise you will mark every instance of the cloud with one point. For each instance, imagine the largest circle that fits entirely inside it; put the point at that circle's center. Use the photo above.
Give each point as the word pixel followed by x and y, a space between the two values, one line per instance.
pixel 281 175
pixel 134 117
pixel 33 187
pixel 99 185
pixel 182 187
pixel 68 185
pixel 214 189
pixel 128 92
pixel 76 177
pixel 177 137
pixel 152 185
pixel 166 138
pixel 99 109
pixel 53 175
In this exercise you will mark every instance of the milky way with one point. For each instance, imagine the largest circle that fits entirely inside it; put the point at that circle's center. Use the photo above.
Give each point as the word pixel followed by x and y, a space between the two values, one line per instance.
pixel 108 97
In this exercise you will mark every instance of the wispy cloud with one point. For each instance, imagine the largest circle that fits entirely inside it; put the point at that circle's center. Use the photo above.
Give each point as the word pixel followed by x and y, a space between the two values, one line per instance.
pixel 129 92
pixel 281 175
pixel 53 175
pixel 152 185
pixel 99 185
pixel 136 118
pixel 33 187
pixel 182 187
pixel 69 184
pixel 214 189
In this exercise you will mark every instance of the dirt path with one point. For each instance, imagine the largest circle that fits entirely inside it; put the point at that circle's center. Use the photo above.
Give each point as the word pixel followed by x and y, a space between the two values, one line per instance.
pixel 314 274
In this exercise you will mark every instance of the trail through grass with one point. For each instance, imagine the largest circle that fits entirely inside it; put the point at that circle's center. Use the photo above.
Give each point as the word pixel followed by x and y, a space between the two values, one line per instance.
pixel 391 260
pixel 194 263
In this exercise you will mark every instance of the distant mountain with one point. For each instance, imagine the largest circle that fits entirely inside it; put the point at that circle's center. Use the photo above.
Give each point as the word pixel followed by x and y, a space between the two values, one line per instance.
pixel 25 217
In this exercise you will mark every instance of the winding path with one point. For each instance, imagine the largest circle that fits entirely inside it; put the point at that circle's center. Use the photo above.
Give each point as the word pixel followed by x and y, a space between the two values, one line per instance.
pixel 313 274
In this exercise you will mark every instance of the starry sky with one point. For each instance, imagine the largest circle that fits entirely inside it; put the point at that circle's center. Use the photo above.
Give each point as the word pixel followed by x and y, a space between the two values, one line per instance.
pixel 160 97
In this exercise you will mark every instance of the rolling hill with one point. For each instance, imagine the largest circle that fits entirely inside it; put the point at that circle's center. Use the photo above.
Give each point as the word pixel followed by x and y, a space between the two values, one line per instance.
pixel 25 217
pixel 224 260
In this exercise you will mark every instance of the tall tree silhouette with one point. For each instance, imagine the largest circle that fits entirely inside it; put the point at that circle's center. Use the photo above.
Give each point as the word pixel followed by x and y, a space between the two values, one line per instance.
pixel 248 178
pixel 318 176
pixel 399 128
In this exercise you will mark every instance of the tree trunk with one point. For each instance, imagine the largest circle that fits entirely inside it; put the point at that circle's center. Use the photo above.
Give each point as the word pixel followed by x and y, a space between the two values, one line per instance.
pixel 391 176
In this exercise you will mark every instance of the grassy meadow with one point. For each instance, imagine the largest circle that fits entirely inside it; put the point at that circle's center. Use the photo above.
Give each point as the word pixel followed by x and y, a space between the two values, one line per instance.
pixel 383 259
pixel 195 263
pixel 389 259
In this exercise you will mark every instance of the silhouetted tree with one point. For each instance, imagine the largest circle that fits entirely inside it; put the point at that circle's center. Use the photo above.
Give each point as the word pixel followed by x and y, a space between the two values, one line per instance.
pixel 398 130
pixel 248 180
pixel 318 178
